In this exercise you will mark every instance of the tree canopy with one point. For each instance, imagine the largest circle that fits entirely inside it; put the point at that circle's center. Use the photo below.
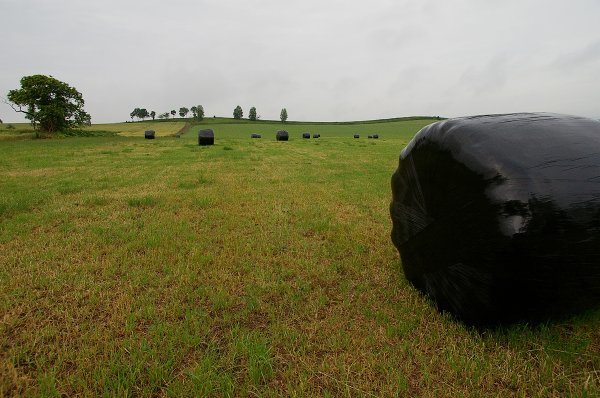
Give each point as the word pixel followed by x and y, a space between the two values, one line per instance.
pixel 283 115
pixel 252 114
pixel 140 113
pixel 237 112
pixel 49 103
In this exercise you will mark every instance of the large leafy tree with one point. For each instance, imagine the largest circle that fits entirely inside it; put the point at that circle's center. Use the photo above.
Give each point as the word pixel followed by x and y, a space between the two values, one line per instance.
pixel 152 115
pixel 252 113
pixel 134 113
pixel 200 112
pixel 143 114
pixel 183 111
pixel 140 113
pixel 237 112
pixel 50 104
pixel 283 115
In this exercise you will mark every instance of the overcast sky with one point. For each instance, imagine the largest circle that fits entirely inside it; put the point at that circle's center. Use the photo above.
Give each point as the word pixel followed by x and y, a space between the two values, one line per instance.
pixel 323 60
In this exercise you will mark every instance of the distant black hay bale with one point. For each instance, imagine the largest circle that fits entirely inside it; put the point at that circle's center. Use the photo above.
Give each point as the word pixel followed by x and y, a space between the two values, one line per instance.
pixel 255 136
pixel 316 135
pixel 497 218
pixel 305 135
pixel 206 137
pixel 370 136
pixel 149 134
pixel 282 135
pixel 375 136
pixel 356 135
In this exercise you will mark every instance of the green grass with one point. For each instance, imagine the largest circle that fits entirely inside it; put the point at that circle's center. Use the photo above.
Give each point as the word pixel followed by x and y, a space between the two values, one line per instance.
pixel 132 267
pixel 162 128
pixel 16 131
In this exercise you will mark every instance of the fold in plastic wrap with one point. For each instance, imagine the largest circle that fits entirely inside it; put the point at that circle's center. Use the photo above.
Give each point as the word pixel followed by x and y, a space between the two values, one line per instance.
pixel 497 218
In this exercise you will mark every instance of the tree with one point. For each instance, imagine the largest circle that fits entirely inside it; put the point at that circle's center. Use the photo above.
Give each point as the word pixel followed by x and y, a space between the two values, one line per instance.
pixel 183 111
pixel 134 113
pixel 283 115
pixel 237 112
pixel 173 112
pixel 153 115
pixel 143 113
pixel 252 114
pixel 49 103
pixel 194 110
pixel 200 115
pixel 164 115
pixel 140 113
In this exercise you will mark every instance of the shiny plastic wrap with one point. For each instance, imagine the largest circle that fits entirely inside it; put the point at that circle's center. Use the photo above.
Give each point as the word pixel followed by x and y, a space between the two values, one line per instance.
pixel 497 218
pixel 206 137
pixel 281 135
pixel 149 134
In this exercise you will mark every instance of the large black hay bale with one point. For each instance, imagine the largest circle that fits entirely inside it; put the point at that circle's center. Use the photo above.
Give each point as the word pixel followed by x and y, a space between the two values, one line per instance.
pixel 316 135
pixel 149 134
pixel 497 218
pixel 255 136
pixel 375 136
pixel 356 136
pixel 206 137
pixel 305 135
pixel 282 135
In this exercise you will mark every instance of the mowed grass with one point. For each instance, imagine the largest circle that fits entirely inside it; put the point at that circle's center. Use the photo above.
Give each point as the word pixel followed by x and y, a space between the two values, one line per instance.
pixel 132 267
pixel 137 129
pixel 16 131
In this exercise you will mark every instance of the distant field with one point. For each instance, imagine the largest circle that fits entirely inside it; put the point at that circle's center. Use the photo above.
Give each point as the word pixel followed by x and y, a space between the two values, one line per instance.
pixel 133 267
pixel 242 129
pixel 136 129
pixel 15 131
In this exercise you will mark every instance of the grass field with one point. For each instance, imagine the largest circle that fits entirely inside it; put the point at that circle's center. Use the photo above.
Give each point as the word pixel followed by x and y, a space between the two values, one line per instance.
pixel 16 131
pixel 162 129
pixel 132 267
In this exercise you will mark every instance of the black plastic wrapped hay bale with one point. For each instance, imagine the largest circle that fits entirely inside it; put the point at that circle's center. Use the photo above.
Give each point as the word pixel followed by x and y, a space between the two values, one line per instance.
pixel 206 137
pixel 497 218
pixel 356 135
pixel 369 136
pixel 306 135
pixel 375 136
pixel 316 135
pixel 255 136
pixel 282 135
pixel 149 134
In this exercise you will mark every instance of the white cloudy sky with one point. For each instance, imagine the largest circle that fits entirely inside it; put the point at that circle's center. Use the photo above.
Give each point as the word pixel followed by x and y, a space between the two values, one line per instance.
pixel 320 59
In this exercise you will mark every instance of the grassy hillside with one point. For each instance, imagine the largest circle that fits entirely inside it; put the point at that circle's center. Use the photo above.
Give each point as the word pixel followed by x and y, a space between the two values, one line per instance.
pixel 162 129
pixel 240 128
pixel 16 131
pixel 132 267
